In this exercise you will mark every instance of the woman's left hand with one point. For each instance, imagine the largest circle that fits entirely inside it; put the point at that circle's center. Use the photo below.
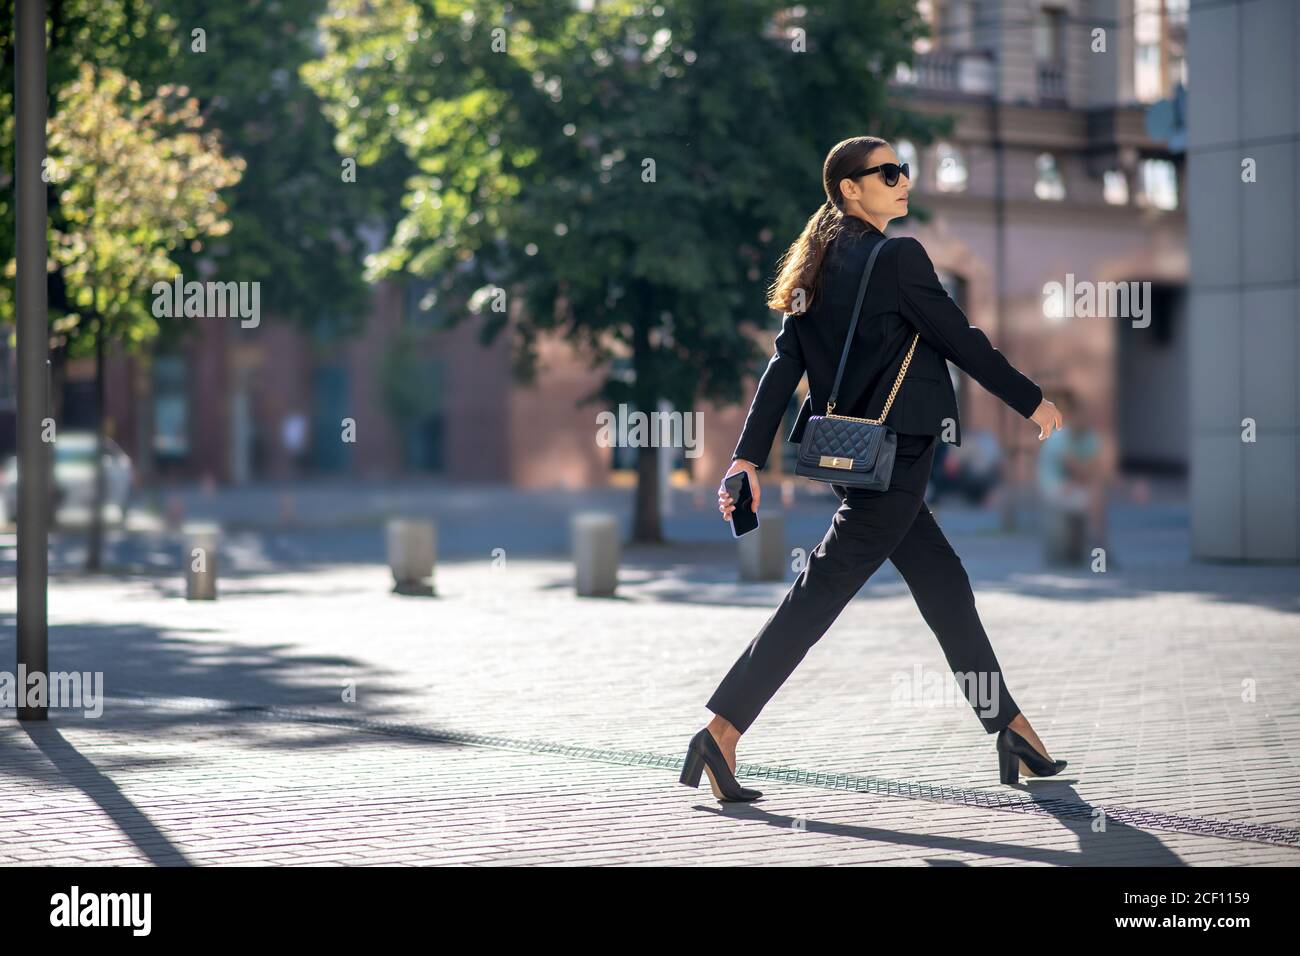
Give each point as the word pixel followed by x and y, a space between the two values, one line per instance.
pixel 1048 418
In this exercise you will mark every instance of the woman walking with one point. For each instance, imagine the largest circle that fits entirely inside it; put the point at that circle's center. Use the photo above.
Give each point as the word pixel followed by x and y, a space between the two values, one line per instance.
pixel 816 288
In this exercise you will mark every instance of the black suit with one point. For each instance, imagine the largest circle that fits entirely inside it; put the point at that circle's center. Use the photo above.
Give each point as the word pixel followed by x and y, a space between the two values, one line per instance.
pixel 904 297
pixel 872 526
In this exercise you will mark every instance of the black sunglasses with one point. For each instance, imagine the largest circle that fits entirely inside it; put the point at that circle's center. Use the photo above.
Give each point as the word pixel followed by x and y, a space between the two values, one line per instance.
pixel 888 172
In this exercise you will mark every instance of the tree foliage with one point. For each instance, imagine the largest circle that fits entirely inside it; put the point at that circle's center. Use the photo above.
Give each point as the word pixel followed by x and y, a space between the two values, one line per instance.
pixel 296 226
pixel 632 170
pixel 137 178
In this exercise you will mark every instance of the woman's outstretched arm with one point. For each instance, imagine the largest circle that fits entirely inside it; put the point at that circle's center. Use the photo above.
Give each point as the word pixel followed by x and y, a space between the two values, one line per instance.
pixel 926 304
pixel 778 383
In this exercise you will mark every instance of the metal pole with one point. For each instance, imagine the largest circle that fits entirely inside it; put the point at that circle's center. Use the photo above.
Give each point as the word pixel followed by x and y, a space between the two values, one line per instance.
pixel 33 347
pixel 1010 487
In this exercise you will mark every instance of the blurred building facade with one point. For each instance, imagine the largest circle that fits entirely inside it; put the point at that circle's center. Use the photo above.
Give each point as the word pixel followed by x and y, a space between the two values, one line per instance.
pixel 1244 175
pixel 1053 173
pixel 1056 173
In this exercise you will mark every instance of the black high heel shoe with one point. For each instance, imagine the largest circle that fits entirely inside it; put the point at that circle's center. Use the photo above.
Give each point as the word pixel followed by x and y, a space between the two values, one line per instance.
pixel 704 750
pixel 1012 748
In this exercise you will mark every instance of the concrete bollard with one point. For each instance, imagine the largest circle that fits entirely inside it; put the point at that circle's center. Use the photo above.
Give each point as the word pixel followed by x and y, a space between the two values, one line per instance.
pixel 201 544
pixel 595 553
pixel 762 551
pixel 412 553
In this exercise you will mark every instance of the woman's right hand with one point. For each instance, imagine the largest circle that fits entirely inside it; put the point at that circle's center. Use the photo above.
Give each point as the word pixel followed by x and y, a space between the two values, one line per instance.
pixel 1048 417
pixel 725 503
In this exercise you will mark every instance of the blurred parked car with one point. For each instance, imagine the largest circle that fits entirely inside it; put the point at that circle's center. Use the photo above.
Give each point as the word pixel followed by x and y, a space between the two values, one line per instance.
pixel 74 478
pixel 971 470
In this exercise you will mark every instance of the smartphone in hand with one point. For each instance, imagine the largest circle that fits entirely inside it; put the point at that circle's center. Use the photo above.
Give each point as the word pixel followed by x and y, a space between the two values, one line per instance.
pixel 743 519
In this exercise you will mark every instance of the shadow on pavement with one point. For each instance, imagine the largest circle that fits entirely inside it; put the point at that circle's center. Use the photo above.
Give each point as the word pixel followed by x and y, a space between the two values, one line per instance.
pixel 1118 844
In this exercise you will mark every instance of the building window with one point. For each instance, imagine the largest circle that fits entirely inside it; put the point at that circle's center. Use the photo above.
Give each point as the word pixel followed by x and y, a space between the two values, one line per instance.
pixel 1148 85
pixel 957 25
pixel 925 9
pixel 1049 184
pixel 1049 53
pixel 1049 35
pixel 330 406
pixel 906 151
pixel 1146 73
pixel 1115 187
pixel 171 434
pixel 328 329
pixel 426 435
pixel 1176 42
pixel 413 389
pixel 950 25
pixel 1159 48
pixel 1177 69
pixel 949 169
pixel 1159 183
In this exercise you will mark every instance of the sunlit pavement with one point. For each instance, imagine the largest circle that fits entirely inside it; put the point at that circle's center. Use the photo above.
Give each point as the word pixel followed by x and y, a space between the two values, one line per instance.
pixel 509 721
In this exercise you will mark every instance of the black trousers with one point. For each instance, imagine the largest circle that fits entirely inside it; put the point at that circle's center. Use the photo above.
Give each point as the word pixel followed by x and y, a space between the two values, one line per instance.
pixel 869 527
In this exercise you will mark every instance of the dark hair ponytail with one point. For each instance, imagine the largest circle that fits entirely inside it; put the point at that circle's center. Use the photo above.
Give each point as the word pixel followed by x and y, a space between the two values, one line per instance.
pixel 799 266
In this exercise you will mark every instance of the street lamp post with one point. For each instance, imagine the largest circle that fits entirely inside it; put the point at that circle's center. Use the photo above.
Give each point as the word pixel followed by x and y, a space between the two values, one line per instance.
pixel 33 348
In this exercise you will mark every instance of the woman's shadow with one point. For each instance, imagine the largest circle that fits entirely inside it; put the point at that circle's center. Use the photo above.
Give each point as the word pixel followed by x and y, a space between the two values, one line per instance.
pixel 1102 841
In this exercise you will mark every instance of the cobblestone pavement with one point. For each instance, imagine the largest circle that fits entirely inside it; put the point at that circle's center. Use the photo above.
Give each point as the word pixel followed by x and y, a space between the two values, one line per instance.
pixel 509 721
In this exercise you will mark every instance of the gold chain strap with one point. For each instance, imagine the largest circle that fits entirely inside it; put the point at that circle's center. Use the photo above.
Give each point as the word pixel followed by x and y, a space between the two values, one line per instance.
pixel 907 360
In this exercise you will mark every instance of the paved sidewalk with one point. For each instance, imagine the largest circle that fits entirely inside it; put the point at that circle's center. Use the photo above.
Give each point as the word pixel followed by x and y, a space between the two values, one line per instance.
pixel 232 790
pixel 508 721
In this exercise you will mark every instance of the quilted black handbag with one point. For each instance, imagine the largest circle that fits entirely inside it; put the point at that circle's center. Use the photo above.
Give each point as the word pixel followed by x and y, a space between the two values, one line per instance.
pixel 841 449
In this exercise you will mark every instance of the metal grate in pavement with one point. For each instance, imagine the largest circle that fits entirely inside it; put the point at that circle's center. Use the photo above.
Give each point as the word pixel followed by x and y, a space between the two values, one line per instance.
pixel 990 800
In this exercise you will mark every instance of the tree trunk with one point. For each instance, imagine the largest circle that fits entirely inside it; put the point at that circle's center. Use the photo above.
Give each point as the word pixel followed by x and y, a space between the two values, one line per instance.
pixel 58 381
pixel 646 528
pixel 142 383
pixel 95 538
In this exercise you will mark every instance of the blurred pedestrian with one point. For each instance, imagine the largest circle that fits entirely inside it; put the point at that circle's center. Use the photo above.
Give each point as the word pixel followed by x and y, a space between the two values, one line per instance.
pixel 1071 476
pixel 293 431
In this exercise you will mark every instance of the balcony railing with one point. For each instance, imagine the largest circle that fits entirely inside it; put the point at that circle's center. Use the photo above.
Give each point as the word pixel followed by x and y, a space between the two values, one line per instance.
pixel 1051 82
pixel 949 71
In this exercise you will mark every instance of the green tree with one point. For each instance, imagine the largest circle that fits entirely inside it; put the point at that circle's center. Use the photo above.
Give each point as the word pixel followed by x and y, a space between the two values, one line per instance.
pixel 297 225
pixel 136 178
pixel 297 222
pixel 110 33
pixel 631 172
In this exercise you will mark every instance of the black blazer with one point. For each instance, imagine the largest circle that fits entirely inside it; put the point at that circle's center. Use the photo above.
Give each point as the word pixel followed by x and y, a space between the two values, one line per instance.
pixel 903 297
